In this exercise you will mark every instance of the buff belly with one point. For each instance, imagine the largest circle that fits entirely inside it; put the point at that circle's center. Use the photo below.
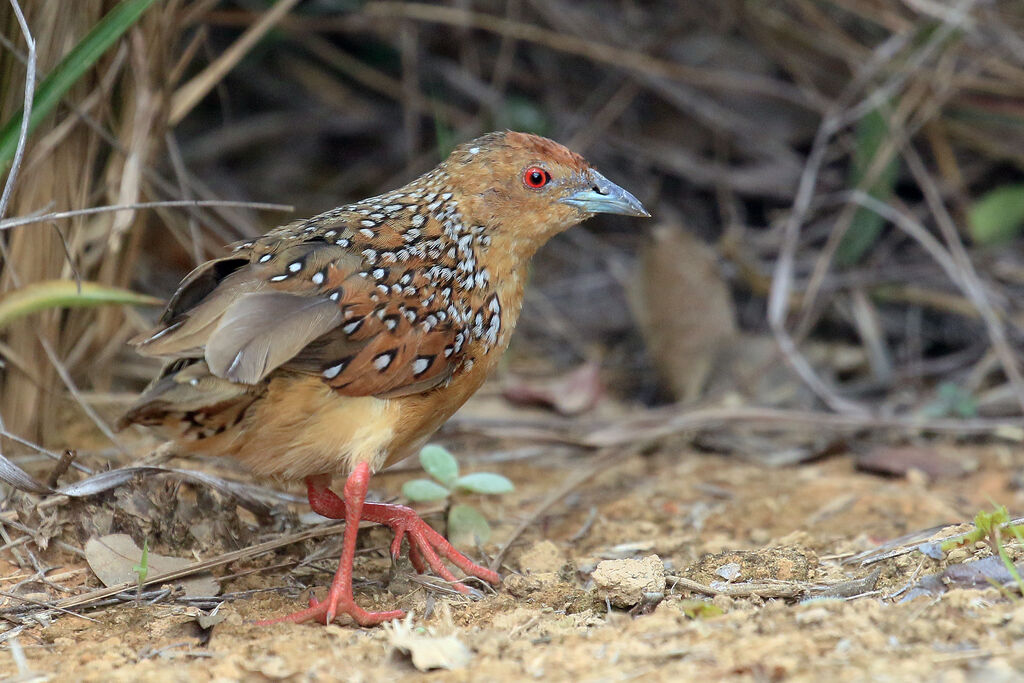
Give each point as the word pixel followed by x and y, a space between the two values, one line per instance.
pixel 301 428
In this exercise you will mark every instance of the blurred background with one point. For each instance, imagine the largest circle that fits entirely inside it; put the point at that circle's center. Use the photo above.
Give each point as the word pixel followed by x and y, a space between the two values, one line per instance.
pixel 837 188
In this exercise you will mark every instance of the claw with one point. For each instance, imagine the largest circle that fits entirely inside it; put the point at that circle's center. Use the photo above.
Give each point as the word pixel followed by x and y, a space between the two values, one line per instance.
pixel 426 546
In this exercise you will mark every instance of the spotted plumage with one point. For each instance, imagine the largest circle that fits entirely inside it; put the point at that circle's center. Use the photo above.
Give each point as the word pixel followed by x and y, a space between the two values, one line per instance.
pixel 340 343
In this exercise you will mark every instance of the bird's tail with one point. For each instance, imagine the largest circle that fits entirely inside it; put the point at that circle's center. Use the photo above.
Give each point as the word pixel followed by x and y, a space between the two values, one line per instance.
pixel 186 402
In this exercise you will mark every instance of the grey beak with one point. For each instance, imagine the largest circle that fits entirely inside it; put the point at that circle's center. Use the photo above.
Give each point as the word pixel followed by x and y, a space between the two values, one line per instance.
pixel 604 196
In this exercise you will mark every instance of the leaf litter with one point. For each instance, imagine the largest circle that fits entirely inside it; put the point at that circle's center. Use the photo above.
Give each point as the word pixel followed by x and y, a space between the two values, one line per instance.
pixel 776 556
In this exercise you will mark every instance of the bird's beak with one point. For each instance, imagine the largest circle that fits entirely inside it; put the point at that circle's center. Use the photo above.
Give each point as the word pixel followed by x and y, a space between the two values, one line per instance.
pixel 604 196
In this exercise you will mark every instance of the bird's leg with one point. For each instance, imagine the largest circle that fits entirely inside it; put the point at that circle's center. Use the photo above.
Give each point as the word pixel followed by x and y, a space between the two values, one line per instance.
pixel 339 598
pixel 322 499
pixel 425 544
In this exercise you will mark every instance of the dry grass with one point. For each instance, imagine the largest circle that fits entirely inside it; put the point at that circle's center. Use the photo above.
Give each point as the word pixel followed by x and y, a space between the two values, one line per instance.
pixel 744 118
pixel 95 149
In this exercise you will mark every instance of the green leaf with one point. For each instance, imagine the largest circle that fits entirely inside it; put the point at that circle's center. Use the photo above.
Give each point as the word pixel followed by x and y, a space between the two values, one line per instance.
pixel 142 568
pixel 485 482
pixel 700 609
pixel 866 225
pixel 446 139
pixel 64 75
pixel 41 296
pixel 466 526
pixel 440 464
pixel 951 401
pixel 422 490
pixel 997 216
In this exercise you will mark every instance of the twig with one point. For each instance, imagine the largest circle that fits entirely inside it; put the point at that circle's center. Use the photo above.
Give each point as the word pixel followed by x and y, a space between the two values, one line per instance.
pixel 30 88
pixel 44 451
pixel 622 58
pixel 587 524
pixel 969 282
pixel 188 95
pixel 16 222
pixel 660 423
pixel 204 565
pixel 60 468
pixel 741 590
pixel 39 603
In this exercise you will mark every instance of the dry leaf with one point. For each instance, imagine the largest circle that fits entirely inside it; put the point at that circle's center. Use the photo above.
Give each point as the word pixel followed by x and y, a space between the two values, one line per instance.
pixel 113 559
pixel 899 460
pixel 978 575
pixel 570 394
pixel 427 650
pixel 684 308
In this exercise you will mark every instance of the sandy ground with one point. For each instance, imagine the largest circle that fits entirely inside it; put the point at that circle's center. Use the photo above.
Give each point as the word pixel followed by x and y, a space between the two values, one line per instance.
pixel 700 514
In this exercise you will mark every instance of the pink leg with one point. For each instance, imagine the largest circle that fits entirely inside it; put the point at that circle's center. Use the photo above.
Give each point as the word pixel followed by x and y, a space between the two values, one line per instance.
pixel 322 499
pixel 339 598
pixel 426 546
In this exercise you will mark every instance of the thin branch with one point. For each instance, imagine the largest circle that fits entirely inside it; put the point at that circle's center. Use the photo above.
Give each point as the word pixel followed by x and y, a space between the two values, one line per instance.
pixel 30 88
pixel 617 57
pixel 970 283
pixel 188 95
pixel 261 206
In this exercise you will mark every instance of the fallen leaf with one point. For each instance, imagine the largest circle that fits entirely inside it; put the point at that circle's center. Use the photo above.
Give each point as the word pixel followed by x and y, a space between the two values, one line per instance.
pixel 898 460
pixel 730 571
pixel 570 394
pixel 426 649
pixel 977 575
pixel 113 559
pixel 684 308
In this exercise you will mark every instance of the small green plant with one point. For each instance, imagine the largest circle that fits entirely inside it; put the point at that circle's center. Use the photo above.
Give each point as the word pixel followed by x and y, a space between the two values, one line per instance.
pixel 990 526
pixel 464 521
pixel 142 568
pixel 998 215
pixel 951 401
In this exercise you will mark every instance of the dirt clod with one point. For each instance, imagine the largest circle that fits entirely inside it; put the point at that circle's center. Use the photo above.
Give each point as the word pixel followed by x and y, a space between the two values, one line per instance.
pixel 543 556
pixel 625 583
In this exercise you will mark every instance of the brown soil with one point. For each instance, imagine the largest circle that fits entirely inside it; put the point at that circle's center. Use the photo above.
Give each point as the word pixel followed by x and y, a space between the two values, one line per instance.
pixel 696 512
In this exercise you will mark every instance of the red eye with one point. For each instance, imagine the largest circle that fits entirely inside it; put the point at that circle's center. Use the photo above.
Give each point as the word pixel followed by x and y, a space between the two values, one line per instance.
pixel 536 177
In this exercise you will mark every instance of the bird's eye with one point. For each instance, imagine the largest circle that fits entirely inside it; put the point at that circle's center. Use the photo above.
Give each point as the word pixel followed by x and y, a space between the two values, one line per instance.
pixel 536 177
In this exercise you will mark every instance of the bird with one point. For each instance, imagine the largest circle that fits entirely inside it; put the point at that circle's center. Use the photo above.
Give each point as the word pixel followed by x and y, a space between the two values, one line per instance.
pixel 339 344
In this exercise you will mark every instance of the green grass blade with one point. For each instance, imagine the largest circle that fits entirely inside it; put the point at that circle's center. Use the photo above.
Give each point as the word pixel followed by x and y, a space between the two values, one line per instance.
pixel 41 296
pixel 866 226
pixel 64 75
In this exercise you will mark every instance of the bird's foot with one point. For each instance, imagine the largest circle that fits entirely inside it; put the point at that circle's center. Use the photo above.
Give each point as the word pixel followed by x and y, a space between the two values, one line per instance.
pixel 426 546
pixel 336 603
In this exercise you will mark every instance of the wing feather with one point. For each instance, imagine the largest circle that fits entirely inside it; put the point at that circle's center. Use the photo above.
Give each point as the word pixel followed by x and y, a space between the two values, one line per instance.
pixel 373 315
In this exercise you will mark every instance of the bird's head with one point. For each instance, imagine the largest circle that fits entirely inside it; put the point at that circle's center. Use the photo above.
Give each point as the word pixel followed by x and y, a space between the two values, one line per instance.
pixel 529 188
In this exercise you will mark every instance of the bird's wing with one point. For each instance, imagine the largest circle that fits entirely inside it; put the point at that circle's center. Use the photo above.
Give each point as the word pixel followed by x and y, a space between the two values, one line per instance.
pixel 313 301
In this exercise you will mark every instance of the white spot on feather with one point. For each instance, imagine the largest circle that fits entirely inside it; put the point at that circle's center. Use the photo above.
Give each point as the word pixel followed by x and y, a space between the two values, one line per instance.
pixel 333 371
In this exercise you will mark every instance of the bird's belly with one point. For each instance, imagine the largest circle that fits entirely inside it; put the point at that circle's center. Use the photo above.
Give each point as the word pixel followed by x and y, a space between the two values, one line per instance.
pixel 301 427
